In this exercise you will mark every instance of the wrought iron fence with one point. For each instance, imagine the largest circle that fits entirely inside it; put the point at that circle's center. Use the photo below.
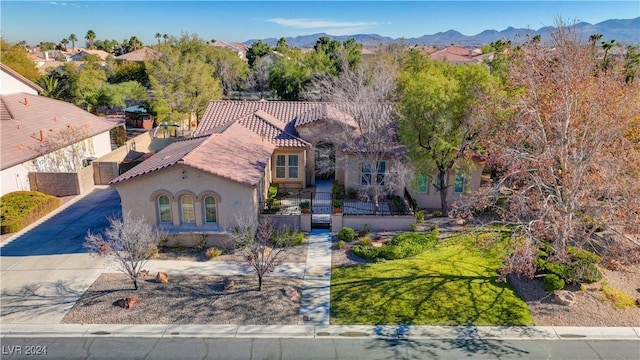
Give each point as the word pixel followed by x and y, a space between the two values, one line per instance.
pixel 325 202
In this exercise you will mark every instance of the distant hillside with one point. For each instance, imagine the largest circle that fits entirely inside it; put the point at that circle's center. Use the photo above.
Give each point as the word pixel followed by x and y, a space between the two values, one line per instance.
pixel 626 31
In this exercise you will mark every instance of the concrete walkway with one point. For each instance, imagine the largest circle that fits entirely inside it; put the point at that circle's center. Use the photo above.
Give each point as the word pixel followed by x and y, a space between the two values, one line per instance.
pixel 316 291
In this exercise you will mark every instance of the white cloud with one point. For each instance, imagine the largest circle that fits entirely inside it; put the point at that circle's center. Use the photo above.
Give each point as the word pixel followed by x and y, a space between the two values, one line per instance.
pixel 305 23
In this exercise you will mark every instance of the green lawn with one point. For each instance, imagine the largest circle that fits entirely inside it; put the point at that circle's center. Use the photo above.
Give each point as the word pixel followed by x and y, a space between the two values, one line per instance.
pixel 452 284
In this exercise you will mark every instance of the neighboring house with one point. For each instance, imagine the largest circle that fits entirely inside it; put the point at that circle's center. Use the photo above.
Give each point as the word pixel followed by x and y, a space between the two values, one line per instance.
pixel 238 48
pixel 457 55
pixel 40 134
pixel 203 184
pixel 82 53
pixel 140 55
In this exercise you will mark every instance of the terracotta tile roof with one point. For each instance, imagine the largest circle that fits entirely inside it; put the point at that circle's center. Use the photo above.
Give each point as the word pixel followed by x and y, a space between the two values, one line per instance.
pixel 456 54
pixel 235 154
pixel 24 117
pixel 324 111
pixel 165 158
pixel 274 120
pixel 20 78
pixel 140 55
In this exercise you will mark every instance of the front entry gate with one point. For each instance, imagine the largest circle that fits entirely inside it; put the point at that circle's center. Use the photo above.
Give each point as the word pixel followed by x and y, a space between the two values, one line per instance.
pixel 321 209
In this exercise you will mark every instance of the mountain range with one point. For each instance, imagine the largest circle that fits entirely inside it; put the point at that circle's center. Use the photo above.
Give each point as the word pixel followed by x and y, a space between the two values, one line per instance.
pixel 623 31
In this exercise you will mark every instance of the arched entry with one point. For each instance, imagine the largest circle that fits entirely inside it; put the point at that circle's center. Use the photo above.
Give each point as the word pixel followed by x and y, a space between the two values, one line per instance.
pixel 325 160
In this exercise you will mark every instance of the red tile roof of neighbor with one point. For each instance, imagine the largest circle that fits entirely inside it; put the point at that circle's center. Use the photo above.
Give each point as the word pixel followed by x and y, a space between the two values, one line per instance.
pixel 235 154
pixel 27 119
pixel 140 55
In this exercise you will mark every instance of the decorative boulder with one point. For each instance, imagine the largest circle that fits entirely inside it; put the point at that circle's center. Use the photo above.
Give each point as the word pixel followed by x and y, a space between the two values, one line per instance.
pixel 162 278
pixel 291 293
pixel 564 297
pixel 128 303
pixel 228 284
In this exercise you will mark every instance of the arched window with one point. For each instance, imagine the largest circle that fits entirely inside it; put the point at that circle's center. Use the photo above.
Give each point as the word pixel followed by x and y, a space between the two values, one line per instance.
pixel 164 209
pixel 188 212
pixel 210 211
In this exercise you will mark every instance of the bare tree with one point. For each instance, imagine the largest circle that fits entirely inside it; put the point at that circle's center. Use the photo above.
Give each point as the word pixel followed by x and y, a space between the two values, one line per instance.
pixel 262 243
pixel 566 164
pixel 130 241
pixel 362 100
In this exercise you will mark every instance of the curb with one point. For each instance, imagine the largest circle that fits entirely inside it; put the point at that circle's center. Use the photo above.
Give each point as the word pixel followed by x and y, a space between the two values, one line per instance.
pixel 460 333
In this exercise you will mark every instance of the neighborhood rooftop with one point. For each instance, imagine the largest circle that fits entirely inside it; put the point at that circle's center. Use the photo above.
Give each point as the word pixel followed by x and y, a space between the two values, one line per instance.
pixel 28 121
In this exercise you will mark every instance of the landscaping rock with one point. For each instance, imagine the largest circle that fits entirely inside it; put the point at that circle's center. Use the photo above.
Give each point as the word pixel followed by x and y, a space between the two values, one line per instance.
pixel 128 303
pixel 228 284
pixel 162 278
pixel 564 297
pixel 291 293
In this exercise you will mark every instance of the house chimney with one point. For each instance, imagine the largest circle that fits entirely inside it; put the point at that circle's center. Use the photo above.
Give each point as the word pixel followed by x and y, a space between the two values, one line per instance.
pixel 470 53
pixel 41 135
pixel 26 102
pixel 46 56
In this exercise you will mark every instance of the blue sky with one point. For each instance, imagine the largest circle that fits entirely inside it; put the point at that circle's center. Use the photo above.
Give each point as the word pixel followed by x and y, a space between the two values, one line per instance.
pixel 239 21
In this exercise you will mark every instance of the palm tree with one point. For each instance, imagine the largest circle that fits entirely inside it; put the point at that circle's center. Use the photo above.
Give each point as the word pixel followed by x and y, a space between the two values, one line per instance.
pixel 51 86
pixel 73 38
pixel 90 37
pixel 135 43
pixel 165 37
pixel 158 36
pixel 64 43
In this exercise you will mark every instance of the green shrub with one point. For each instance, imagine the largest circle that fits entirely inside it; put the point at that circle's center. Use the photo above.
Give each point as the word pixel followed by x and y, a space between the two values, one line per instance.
pixel 366 230
pixel 273 191
pixel 552 282
pixel 352 193
pixel 347 234
pixel 419 216
pixel 435 230
pixel 581 254
pixel 21 208
pixel 580 265
pixel 337 190
pixel 288 237
pixel 342 245
pixel 413 227
pixel 365 240
pixel 407 244
pixel 366 252
pixel 437 213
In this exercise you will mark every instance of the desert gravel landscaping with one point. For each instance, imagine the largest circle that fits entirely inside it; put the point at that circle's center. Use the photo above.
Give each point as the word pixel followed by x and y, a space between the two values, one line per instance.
pixel 188 299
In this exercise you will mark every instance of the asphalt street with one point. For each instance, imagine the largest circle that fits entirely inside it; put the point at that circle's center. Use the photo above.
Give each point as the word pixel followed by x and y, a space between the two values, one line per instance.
pixel 105 348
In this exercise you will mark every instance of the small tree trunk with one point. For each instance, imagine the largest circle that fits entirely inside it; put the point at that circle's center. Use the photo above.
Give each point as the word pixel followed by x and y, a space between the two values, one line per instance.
pixel 443 193
pixel 135 283
pixel 259 282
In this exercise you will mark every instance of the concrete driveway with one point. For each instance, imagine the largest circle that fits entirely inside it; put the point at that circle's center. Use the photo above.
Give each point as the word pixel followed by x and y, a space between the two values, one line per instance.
pixel 45 269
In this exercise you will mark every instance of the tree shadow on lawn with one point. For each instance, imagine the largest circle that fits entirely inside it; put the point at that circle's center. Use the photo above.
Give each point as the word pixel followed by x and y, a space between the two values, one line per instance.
pixel 428 299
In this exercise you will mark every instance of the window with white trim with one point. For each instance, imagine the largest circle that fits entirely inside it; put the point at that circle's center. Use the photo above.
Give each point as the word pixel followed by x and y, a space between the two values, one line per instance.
pixel 164 209
pixel 287 166
pixel 210 210
pixel 365 178
pixel 187 210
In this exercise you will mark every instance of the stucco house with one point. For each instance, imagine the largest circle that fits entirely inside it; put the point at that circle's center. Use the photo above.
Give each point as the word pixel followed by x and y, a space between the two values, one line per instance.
pixel 42 135
pixel 203 184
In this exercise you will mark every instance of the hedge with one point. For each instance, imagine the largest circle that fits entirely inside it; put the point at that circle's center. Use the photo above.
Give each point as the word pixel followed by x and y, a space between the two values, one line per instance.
pixel 402 246
pixel 21 208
